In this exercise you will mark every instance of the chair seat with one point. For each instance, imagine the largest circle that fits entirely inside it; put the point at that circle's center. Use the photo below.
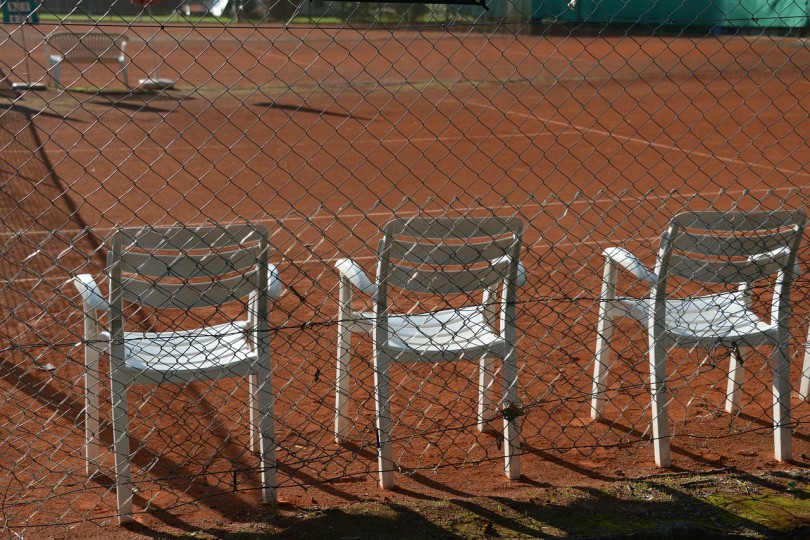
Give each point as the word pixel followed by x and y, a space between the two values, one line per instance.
pixel 446 333
pixel 186 352
pixel 720 319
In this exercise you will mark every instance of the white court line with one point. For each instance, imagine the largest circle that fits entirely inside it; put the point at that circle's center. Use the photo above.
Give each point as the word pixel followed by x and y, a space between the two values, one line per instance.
pixel 129 151
pixel 536 206
pixel 645 142
pixel 216 145
pixel 386 215
pixel 294 217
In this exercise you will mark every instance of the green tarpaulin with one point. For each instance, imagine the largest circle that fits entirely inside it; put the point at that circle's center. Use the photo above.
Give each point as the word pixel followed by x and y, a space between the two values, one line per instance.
pixel 749 13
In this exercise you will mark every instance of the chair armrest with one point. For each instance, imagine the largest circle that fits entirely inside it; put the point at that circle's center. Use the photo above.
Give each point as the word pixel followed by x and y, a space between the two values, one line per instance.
pixel 350 270
pixel 774 256
pixel 629 262
pixel 521 270
pixel 274 284
pixel 90 293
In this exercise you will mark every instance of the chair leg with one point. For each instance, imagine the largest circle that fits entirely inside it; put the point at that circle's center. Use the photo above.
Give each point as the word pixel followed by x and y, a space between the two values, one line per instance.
pixel 658 392
pixel 55 74
pixel 264 429
pixel 780 364
pixel 344 340
pixel 255 412
pixel 486 378
pixel 382 394
pixel 124 73
pixel 604 330
pixel 804 388
pixel 123 482
pixel 511 418
pixel 91 406
pixel 736 374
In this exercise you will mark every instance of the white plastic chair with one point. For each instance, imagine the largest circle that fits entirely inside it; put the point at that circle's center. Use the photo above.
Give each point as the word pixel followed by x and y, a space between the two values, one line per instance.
pixel 181 268
pixel 438 256
pixel 728 248
pixel 84 48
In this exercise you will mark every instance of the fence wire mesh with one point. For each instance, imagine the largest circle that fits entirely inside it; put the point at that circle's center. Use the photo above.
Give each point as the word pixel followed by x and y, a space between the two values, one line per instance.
pixel 595 124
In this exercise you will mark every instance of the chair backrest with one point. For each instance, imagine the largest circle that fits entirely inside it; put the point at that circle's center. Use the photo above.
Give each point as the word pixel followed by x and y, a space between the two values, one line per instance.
pixel 731 247
pixel 90 46
pixel 189 267
pixel 449 255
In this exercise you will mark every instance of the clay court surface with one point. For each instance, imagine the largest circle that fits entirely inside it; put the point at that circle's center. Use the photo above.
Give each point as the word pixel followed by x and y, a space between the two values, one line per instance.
pixel 324 134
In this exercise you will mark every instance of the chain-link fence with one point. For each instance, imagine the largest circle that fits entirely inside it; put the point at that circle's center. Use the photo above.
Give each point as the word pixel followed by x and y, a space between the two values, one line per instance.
pixel 594 124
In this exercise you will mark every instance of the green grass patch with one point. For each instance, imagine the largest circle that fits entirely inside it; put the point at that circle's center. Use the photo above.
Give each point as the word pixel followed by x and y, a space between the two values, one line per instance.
pixel 776 511
pixel 174 18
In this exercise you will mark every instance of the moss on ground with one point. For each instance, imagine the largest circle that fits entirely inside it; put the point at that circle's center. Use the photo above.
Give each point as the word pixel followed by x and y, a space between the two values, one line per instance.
pixel 720 505
pixel 775 511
